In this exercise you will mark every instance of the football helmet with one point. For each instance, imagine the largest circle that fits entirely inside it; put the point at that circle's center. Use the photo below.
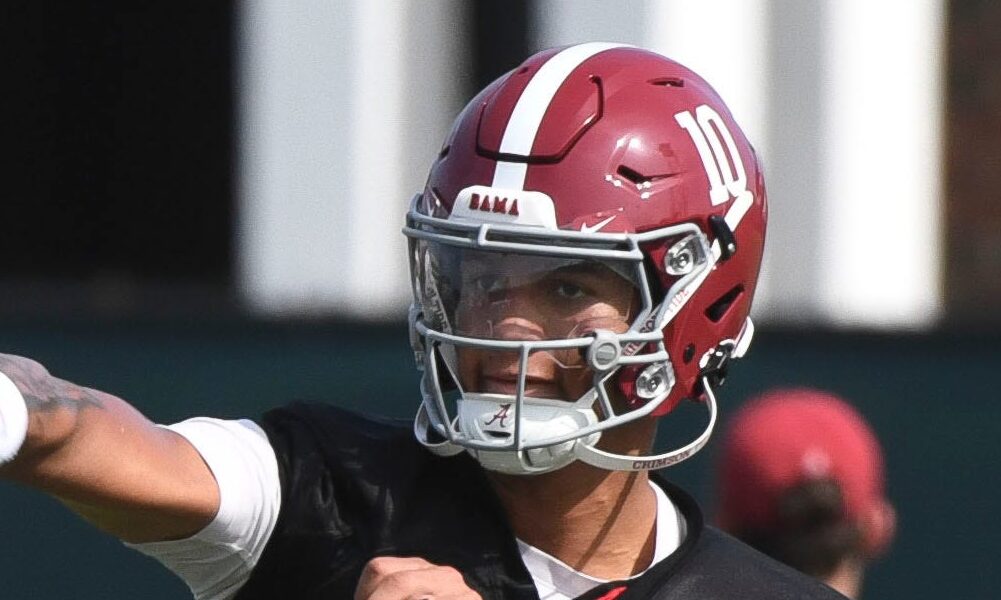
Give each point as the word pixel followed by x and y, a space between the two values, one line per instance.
pixel 584 254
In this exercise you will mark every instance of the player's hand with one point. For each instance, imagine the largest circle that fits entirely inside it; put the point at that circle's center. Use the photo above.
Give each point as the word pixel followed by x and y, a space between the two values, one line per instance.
pixel 411 578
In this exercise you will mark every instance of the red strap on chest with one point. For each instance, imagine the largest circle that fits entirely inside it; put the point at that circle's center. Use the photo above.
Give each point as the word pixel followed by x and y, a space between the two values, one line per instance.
pixel 613 593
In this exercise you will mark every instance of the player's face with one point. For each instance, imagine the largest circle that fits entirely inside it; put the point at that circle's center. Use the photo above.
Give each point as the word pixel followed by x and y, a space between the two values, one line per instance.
pixel 524 298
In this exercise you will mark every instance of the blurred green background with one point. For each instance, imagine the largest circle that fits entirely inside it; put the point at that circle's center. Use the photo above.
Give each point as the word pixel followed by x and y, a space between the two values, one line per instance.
pixel 931 398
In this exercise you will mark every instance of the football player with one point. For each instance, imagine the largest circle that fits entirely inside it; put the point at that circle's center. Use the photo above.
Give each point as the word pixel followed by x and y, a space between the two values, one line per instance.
pixel 583 259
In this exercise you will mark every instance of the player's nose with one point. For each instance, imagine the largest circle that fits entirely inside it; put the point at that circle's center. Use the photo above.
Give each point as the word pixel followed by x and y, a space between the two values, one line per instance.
pixel 515 316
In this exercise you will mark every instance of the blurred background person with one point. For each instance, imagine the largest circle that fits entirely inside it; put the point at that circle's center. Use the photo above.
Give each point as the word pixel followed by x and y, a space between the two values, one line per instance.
pixel 802 480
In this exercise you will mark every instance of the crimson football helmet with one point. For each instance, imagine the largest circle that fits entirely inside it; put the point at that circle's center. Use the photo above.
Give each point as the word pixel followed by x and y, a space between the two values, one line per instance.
pixel 586 171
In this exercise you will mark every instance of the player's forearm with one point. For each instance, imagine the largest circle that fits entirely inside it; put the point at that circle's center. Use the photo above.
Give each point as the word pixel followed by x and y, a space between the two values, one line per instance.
pixel 55 409
pixel 106 461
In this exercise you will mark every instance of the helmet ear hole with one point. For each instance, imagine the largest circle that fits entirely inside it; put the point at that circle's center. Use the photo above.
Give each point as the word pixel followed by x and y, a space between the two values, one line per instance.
pixel 718 309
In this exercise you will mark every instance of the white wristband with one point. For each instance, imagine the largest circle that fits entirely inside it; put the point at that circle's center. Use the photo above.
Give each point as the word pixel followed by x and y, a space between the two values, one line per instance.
pixel 13 419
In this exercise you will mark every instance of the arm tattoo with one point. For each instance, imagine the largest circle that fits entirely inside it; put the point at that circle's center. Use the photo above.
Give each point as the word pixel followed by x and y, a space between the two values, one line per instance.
pixel 42 392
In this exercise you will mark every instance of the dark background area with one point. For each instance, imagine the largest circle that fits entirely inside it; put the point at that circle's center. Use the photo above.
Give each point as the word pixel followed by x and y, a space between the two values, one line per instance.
pixel 973 164
pixel 118 122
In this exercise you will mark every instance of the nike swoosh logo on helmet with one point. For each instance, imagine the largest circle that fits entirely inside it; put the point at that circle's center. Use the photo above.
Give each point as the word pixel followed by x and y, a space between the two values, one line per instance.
pixel 597 226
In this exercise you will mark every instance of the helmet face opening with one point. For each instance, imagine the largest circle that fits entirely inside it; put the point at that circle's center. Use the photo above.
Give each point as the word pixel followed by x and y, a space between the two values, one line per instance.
pixel 523 333
pixel 588 238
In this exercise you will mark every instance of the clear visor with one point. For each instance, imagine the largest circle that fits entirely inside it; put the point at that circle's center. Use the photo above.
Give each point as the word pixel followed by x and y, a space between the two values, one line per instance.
pixel 494 295
pixel 488 297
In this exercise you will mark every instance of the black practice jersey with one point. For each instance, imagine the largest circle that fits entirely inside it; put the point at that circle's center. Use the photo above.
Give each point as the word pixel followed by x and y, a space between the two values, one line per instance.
pixel 356 487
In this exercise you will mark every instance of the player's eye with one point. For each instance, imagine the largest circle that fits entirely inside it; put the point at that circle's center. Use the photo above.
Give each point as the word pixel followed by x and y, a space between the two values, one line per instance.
pixel 569 291
pixel 488 283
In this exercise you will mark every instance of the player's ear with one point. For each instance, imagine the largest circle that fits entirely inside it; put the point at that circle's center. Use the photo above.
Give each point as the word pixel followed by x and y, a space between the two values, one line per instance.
pixel 879 525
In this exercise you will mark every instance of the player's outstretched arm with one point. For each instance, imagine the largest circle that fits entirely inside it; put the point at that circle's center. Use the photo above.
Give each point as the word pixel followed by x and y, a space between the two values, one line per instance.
pixel 103 459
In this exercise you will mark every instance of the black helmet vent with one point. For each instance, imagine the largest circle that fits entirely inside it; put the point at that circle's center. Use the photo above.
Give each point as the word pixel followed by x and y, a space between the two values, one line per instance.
pixel 668 82
pixel 718 309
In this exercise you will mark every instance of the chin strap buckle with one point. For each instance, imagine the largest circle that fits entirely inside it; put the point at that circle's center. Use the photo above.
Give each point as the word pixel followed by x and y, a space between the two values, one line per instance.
pixel 716 362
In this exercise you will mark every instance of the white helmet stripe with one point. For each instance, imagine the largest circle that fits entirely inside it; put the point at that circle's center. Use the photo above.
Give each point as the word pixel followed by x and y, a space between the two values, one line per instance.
pixel 526 118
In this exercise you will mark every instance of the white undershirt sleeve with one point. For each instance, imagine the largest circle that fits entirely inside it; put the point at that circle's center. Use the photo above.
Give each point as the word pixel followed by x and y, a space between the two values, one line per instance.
pixel 217 561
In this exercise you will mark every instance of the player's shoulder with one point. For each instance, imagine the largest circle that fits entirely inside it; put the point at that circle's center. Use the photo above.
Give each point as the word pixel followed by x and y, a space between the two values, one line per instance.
pixel 326 423
pixel 326 441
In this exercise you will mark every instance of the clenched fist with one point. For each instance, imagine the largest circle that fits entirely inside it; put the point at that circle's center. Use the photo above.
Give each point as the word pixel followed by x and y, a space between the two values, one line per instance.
pixel 411 578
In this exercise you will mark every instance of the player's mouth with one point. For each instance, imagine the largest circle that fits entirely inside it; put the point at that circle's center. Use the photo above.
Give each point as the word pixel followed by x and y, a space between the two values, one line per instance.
pixel 535 387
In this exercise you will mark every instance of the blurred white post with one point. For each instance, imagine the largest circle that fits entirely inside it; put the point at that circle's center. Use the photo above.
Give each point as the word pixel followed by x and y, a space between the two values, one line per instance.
pixel 343 106
pixel 880 248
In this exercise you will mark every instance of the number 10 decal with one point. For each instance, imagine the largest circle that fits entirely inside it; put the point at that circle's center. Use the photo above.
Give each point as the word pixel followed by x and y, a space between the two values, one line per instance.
pixel 724 167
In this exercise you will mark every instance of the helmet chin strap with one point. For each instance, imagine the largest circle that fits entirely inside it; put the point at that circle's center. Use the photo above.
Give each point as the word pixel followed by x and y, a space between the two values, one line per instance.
pixel 624 462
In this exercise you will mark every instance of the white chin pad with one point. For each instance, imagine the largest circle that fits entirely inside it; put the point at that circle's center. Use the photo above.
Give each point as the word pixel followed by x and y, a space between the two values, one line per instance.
pixel 491 419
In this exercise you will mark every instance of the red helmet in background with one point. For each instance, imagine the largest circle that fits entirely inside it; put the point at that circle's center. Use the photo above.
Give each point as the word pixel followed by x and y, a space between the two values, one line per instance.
pixel 603 152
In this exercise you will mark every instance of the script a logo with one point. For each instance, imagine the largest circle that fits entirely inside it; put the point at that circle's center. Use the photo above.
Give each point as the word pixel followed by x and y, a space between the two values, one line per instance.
pixel 497 204
pixel 500 417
